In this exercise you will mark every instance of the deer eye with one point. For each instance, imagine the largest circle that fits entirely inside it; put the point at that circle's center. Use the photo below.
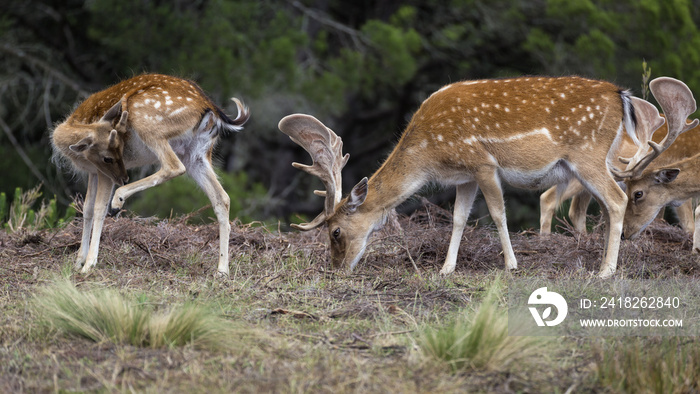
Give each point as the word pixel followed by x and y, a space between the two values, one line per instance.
pixel 638 194
pixel 108 160
pixel 336 233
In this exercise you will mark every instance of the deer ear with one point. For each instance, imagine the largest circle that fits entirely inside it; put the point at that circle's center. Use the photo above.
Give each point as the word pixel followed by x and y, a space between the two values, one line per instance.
pixel 112 113
pixel 358 194
pixel 121 126
pixel 112 139
pixel 666 175
pixel 81 146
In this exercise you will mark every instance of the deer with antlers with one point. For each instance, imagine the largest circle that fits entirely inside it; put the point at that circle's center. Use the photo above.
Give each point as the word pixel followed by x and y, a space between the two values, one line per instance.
pixel 148 119
pixel 529 132
pixel 666 182
pixel 687 145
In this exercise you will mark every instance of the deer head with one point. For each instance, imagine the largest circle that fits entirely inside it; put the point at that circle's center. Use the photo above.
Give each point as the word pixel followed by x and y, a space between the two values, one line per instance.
pixel 650 188
pixel 325 148
pixel 98 145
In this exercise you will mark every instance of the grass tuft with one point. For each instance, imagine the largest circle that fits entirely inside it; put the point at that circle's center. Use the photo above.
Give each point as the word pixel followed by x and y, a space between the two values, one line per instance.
pixel 106 316
pixel 477 343
pixel 635 365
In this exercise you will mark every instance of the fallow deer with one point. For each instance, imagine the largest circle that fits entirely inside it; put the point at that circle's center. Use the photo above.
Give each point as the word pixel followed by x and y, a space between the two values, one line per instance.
pixel 687 145
pixel 140 121
pixel 529 132
pixel 666 182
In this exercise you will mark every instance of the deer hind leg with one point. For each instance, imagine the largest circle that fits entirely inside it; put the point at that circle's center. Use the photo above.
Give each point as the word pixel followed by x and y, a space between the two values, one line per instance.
pixel 548 204
pixel 493 194
pixel 613 202
pixel 170 167
pixel 463 205
pixel 88 217
pixel 104 191
pixel 577 210
pixel 579 206
pixel 204 175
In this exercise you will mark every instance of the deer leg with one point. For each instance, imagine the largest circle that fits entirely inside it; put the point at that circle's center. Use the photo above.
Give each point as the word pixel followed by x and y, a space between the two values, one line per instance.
pixel 685 215
pixel 88 217
pixel 205 177
pixel 578 208
pixel 170 167
pixel 104 191
pixel 548 204
pixel 463 205
pixel 493 194
pixel 696 234
pixel 613 201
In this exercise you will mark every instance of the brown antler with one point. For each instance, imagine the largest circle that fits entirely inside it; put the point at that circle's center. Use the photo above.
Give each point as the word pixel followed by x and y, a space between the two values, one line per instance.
pixel 325 149
pixel 677 102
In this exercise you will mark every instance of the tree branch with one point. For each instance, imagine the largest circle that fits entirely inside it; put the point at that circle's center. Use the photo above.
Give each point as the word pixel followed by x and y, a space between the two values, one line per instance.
pixel 46 66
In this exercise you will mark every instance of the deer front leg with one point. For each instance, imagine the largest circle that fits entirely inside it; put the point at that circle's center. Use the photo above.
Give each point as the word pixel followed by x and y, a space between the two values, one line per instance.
pixel 463 205
pixel 493 194
pixel 613 201
pixel 696 234
pixel 104 190
pixel 685 215
pixel 88 217
pixel 170 167
pixel 205 177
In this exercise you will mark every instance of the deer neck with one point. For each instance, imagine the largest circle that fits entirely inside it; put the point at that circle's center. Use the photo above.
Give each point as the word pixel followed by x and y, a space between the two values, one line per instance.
pixel 401 176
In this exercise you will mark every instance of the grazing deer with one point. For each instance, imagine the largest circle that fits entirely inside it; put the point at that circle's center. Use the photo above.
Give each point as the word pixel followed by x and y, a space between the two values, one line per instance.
pixel 671 179
pixel 529 132
pixel 687 144
pixel 141 121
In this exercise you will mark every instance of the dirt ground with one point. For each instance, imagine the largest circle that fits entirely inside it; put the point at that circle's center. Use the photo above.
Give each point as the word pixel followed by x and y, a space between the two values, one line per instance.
pixel 323 330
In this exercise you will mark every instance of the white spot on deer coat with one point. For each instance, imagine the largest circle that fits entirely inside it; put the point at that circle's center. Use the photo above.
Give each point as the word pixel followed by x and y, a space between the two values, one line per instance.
pixel 157 104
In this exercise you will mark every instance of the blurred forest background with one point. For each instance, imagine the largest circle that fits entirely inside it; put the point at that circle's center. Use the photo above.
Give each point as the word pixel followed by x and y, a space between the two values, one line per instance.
pixel 362 67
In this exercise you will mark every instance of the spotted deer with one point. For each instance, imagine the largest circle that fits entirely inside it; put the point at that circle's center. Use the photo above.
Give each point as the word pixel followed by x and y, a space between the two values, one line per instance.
pixel 687 144
pixel 529 132
pixel 659 176
pixel 140 121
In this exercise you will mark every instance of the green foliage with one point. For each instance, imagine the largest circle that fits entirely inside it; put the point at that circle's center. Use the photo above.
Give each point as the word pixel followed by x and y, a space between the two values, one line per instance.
pixel 477 342
pixel 182 196
pixel 106 316
pixel 646 76
pixel 633 365
pixel 20 214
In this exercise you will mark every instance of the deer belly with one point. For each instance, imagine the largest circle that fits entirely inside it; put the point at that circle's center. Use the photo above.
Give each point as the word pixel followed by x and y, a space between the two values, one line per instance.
pixel 137 154
pixel 541 178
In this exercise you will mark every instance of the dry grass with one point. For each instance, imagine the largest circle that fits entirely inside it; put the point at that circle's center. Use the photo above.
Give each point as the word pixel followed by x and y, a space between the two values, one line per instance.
pixel 323 331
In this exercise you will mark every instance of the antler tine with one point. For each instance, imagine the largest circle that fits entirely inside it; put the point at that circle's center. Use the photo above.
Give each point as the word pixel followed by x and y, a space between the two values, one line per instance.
pixel 648 121
pixel 325 149
pixel 677 102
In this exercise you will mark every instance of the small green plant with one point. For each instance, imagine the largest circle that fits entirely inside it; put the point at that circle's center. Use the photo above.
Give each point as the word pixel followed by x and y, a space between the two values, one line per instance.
pixel 21 215
pixel 646 76
pixel 643 365
pixel 479 342
pixel 106 316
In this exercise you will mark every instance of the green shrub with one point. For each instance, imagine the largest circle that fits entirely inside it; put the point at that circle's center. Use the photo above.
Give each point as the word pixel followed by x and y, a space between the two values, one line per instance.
pixel 106 316
pixel 22 215
pixel 477 342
